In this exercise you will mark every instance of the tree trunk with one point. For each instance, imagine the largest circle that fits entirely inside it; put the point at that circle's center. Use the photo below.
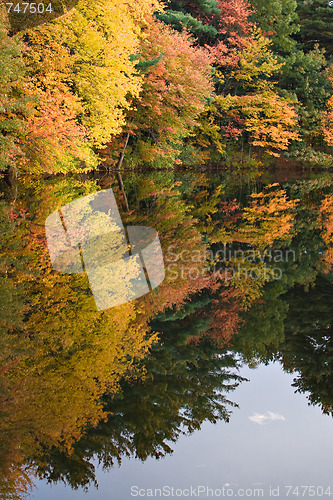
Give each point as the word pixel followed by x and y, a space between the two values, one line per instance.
pixel 120 161
pixel 121 185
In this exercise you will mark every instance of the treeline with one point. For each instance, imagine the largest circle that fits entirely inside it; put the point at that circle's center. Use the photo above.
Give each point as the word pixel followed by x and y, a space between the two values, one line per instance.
pixel 140 83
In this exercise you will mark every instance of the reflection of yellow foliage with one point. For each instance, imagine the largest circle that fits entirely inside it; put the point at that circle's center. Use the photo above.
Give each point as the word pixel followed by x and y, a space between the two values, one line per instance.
pixel 326 211
pixel 71 354
pixel 249 280
pixel 268 218
pixel 59 354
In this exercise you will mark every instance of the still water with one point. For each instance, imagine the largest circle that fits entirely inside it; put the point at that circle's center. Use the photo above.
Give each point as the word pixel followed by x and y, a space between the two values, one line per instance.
pixel 242 454
pixel 219 383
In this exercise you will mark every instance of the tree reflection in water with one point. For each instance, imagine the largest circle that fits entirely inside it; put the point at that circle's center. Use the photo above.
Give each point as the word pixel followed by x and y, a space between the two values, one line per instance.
pixel 78 383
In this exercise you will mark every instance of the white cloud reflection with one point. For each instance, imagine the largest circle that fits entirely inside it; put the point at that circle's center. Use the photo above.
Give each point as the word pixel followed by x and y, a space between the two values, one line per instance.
pixel 267 417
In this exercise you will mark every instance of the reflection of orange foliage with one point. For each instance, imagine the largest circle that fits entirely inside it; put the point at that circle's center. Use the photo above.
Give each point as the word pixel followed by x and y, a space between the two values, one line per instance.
pixel 268 218
pixel 180 234
pixel 326 211
pixel 226 319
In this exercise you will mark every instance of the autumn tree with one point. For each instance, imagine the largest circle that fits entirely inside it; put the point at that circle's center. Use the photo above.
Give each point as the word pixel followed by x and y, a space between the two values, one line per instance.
pixel 327 116
pixel 14 103
pixel 82 70
pixel 173 95
pixel 233 18
pixel 249 106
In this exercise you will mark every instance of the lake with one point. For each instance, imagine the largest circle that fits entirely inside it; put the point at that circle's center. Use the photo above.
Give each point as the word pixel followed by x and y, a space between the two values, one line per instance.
pixel 208 373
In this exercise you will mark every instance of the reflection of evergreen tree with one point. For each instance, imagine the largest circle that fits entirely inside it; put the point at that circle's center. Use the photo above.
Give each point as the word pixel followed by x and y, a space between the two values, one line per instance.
pixel 195 324
pixel 308 346
pixel 186 384
pixel 263 325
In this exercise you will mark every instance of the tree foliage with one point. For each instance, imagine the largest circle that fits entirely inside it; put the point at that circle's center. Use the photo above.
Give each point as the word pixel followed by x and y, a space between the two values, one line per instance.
pixel 173 94
pixel 14 103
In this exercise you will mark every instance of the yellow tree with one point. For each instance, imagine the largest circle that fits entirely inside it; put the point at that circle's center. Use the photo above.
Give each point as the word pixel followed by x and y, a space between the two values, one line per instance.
pixel 176 84
pixel 81 67
pixel 270 120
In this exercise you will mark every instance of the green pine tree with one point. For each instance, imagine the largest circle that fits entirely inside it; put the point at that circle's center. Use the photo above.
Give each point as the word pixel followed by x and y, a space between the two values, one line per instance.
pixel 316 22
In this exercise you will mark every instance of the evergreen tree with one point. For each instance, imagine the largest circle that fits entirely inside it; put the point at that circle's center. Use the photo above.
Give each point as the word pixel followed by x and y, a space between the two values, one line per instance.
pixel 196 16
pixel 316 23
pixel 278 20
pixel 304 76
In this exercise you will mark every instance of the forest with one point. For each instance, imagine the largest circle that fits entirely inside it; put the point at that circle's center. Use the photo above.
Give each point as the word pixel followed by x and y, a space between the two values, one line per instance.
pixel 212 123
pixel 152 85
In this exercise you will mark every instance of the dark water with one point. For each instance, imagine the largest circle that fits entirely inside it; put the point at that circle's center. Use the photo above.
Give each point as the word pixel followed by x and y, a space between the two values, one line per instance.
pixel 217 383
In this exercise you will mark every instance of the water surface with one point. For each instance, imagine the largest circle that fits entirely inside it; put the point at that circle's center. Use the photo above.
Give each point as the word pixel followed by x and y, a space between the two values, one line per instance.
pixel 220 378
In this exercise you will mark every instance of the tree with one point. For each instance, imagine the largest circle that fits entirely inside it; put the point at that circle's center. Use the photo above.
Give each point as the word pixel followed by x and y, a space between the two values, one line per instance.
pixel 195 16
pixel 55 141
pixel 82 70
pixel 278 20
pixel 14 104
pixel 304 75
pixel 270 121
pixel 316 23
pixel 248 106
pixel 267 120
pixel 327 117
pixel 173 95
pixel 233 18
